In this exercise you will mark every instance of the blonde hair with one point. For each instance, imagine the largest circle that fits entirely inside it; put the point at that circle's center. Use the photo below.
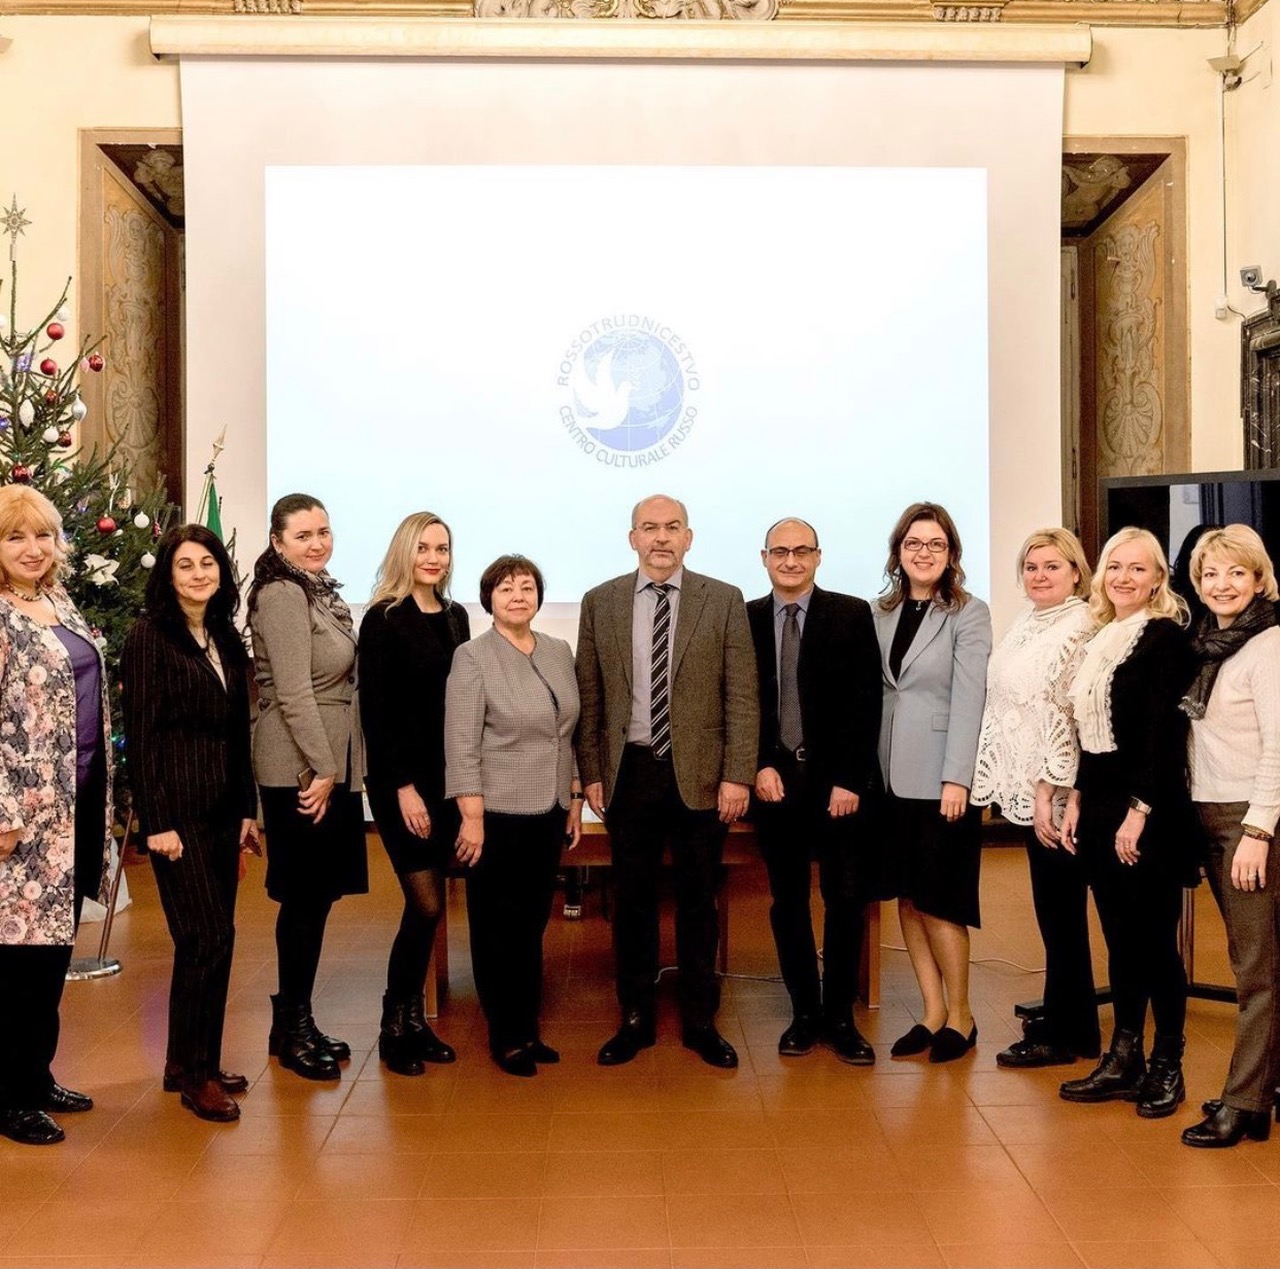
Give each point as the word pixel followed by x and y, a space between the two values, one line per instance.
pixel 1239 544
pixel 22 507
pixel 1068 546
pixel 394 579
pixel 1163 602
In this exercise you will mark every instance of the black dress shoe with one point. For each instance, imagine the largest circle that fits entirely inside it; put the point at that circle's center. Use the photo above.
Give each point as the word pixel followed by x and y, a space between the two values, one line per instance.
pixel 543 1054
pixel 849 1044
pixel 917 1040
pixel 710 1046
pixel 209 1100
pixel 799 1038
pixel 949 1044
pixel 30 1128
pixel 516 1061
pixel 175 1077
pixel 65 1101
pixel 1228 1126
pixel 636 1033
pixel 1026 1054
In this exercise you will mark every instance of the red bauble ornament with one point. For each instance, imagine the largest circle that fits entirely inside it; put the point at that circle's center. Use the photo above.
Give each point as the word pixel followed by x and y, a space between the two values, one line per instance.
pixel 51 396
pixel 49 367
pixel 106 525
pixel 21 474
pixel 55 330
pixel 95 361
pixel 64 440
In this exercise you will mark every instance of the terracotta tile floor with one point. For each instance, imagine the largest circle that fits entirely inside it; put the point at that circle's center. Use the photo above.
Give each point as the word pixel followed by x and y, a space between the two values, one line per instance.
pixel 665 1162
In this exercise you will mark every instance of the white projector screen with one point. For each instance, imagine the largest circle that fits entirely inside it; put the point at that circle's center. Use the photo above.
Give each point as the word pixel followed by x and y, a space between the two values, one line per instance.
pixel 391 263
pixel 531 396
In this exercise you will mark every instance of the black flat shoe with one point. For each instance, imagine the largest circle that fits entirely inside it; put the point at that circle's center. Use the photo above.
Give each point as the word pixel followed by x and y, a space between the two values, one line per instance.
pixel 949 1044
pixel 636 1033
pixel 65 1101
pixel 917 1040
pixel 710 1046
pixel 849 1045
pixel 1228 1126
pixel 1027 1054
pixel 544 1054
pixel 517 1062
pixel 30 1128
pixel 799 1038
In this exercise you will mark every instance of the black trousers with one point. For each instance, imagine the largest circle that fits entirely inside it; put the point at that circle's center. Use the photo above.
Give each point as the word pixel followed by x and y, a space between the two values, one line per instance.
pixel 32 978
pixel 198 895
pixel 646 816
pixel 1139 906
pixel 509 893
pixel 1060 893
pixel 791 834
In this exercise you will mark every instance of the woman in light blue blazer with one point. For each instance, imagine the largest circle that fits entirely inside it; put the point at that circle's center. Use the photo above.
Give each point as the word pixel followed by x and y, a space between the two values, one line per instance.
pixel 935 639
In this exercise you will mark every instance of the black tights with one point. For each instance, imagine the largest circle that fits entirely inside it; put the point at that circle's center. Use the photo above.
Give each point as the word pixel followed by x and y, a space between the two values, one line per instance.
pixel 411 950
pixel 299 938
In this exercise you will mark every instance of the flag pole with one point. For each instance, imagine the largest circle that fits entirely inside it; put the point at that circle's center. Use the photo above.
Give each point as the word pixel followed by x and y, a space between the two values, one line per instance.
pixel 208 493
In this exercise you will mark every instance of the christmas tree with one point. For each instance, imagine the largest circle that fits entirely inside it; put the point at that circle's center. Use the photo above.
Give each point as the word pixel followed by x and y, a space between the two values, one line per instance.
pixel 110 526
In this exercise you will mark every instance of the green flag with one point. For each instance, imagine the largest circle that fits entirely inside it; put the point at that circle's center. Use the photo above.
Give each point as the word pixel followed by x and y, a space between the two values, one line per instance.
pixel 213 515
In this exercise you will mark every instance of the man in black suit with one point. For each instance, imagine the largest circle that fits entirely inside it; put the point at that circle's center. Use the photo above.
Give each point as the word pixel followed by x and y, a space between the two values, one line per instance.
pixel 820 700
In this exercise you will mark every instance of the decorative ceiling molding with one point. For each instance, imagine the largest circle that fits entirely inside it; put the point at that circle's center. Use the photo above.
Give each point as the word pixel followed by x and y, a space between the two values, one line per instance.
pixel 1139 13
pixel 308 36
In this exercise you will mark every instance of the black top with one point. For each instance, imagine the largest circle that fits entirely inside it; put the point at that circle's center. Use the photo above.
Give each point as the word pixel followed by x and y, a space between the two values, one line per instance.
pixel 404 659
pixel 838 677
pixel 913 611
pixel 186 736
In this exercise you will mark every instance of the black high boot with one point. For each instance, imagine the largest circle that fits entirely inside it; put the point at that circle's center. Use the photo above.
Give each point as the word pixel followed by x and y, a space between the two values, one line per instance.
pixel 291 1041
pixel 1117 1077
pixel 1163 1090
pixel 426 1044
pixel 395 1041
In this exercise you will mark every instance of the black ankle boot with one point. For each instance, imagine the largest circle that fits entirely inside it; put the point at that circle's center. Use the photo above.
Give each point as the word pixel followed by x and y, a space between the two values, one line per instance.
pixel 1228 1126
pixel 339 1050
pixel 395 1041
pixel 292 1042
pixel 1117 1077
pixel 426 1044
pixel 1163 1089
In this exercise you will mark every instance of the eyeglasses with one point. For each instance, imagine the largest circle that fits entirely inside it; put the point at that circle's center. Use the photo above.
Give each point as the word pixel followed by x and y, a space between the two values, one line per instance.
pixel 935 546
pixel 801 553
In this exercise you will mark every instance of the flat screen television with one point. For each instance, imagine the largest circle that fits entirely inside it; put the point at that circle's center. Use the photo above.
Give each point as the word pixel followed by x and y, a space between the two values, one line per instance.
pixel 1175 507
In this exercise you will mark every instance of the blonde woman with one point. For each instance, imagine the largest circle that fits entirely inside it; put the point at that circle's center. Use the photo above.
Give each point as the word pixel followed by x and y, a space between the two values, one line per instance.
pixel 1234 706
pixel 407 641
pixel 1129 816
pixel 1027 760
pixel 55 798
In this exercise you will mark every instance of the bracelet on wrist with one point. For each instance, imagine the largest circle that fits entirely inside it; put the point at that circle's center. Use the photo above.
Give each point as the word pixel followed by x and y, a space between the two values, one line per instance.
pixel 1258 834
pixel 577 797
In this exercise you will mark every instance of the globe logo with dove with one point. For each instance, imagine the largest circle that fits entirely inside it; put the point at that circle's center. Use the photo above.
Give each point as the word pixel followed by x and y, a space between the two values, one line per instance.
pixel 628 389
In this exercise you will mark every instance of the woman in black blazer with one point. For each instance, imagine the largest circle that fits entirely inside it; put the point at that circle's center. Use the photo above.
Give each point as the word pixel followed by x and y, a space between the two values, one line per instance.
pixel 407 640
pixel 186 706
pixel 1129 816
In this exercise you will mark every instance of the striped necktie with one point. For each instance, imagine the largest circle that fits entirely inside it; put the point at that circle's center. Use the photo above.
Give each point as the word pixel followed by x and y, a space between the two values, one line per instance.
pixel 659 677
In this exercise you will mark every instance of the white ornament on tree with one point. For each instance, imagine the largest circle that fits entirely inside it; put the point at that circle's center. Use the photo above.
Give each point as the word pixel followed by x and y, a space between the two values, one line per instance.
pixel 26 413
pixel 78 410
pixel 141 520
pixel 148 560
pixel 50 436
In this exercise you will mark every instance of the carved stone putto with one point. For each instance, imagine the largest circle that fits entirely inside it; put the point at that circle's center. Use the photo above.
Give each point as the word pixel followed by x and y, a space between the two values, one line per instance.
pixel 701 10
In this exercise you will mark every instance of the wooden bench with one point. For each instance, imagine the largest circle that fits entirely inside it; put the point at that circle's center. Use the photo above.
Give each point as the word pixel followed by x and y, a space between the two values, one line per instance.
pixel 595 850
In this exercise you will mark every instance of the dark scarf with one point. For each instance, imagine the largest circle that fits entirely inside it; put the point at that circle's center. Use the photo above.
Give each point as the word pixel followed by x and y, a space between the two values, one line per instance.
pixel 320 588
pixel 1213 645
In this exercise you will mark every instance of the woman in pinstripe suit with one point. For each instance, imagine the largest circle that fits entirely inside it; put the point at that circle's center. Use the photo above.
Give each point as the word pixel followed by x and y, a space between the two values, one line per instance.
pixel 186 704
pixel 511 706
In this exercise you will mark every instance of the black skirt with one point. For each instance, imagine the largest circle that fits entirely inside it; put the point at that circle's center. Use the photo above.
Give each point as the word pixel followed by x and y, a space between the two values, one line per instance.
pixel 409 853
pixel 310 861
pixel 930 862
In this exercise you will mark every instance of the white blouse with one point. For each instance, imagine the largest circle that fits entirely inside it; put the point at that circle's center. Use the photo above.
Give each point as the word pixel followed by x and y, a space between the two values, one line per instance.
pixel 1027 730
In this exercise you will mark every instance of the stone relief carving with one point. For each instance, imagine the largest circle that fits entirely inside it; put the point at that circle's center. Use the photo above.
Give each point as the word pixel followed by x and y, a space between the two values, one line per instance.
pixel 266 6
pixel 1085 190
pixel 1130 408
pixel 133 290
pixel 968 12
pixel 703 10
pixel 160 174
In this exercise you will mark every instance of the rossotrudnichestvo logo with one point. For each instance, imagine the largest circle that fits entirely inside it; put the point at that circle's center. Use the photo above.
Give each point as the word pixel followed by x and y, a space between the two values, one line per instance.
pixel 627 382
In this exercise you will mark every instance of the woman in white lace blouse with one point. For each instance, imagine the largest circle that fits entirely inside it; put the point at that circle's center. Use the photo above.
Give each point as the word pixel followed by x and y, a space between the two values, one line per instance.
pixel 1027 759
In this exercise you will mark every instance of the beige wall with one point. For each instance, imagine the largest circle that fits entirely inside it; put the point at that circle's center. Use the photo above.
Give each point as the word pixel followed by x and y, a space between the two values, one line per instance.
pixel 98 73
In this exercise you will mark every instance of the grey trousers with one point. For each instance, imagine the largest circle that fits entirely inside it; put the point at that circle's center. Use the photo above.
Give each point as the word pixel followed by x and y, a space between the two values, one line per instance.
pixel 1253 943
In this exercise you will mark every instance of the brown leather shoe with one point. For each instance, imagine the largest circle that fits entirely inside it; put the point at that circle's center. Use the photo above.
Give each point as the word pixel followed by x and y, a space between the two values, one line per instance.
pixel 209 1100
pixel 174 1079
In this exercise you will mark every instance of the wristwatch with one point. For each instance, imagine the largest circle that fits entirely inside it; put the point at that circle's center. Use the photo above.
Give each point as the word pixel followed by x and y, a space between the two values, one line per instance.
pixel 1137 804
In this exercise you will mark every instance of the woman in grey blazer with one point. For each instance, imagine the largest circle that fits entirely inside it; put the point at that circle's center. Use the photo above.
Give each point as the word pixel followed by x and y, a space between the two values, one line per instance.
pixel 511 706
pixel 309 763
pixel 935 639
